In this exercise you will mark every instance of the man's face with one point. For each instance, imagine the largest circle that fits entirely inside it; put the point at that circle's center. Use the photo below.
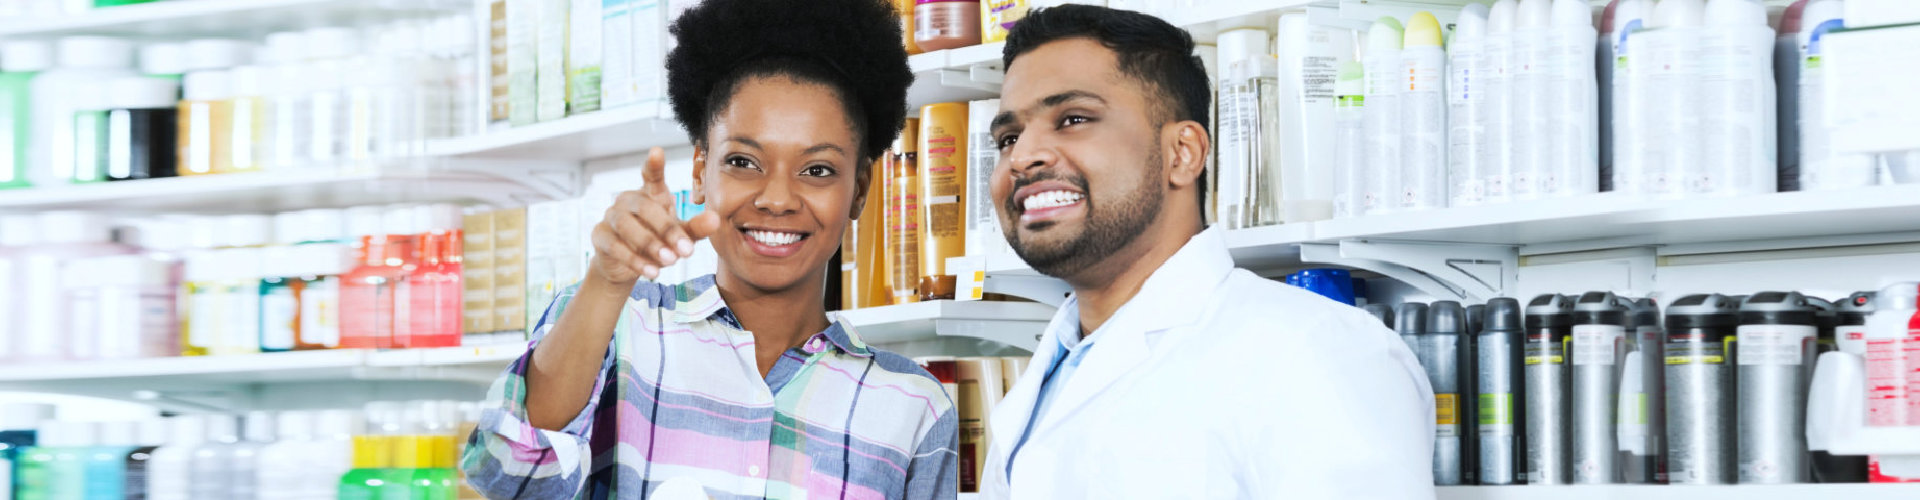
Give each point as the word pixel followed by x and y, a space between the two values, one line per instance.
pixel 1081 174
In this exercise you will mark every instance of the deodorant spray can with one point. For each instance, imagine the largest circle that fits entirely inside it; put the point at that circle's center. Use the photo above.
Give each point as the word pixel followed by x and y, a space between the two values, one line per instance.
pixel 1826 319
pixel 1549 388
pixel 1774 347
pixel 1643 416
pixel 1599 356
pixel 1469 368
pixel 1700 389
pixel 1409 320
pixel 1382 312
pixel 1440 354
pixel 1851 335
pixel 1502 396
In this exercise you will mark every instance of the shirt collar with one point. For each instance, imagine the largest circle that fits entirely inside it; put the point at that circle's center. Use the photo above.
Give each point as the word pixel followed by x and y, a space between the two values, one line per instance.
pixel 1174 293
pixel 699 300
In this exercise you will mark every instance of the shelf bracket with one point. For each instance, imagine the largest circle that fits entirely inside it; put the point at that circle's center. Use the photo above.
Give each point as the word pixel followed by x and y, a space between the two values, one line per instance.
pixel 1042 289
pixel 1451 271
pixel 978 78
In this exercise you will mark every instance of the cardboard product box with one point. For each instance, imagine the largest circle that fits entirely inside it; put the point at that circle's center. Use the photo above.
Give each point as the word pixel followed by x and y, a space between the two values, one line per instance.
pixel 510 269
pixel 585 49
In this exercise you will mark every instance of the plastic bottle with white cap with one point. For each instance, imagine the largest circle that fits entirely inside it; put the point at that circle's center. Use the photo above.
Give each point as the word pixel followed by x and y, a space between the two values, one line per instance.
pixel 1502 104
pixel 1669 118
pixel 251 141
pixel 239 283
pixel 105 463
pixel 329 49
pixel 1423 117
pixel 20 62
pixel 214 464
pixel 164 60
pixel 367 308
pixel 206 123
pixel 19 428
pixel 330 455
pixel 1383 65
pixel 45 334
pixel 1531 21
pixel 1232 180
pixel 136 464
pixel 18 234
pixel 57 466
pixel 258 430
pixel 170 468
pixel 1569 139
pixel 91 100
pixel 280 467
pixel 1820 168
pixel 1350 141
pixel 289 123
pixel 1310 57
pixel 1467 69
pixel 82 59
pixel 143 136
pixel 121 307
pixel 1738 115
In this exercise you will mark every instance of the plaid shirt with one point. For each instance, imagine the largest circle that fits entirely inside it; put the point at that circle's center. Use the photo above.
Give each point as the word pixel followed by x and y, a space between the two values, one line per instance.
pixel 680 401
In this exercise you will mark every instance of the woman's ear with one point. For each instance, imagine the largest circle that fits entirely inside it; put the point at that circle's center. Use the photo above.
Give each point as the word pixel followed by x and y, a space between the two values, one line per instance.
pixel 699 176
pixel 862 179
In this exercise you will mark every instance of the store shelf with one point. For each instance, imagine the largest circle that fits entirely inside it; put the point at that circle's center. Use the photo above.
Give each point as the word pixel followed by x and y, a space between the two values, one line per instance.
pixel 303 366
pixel 600 134
pixel 225 18
pixel 1677 492
pixel 286 190
pixel 1577 218
pixel 1017 324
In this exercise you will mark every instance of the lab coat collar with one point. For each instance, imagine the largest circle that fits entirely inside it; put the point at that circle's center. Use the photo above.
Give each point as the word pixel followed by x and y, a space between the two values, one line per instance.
pixel 1174 295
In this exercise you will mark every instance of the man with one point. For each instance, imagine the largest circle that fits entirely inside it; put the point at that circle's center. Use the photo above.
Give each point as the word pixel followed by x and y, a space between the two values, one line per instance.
pixel 1169 373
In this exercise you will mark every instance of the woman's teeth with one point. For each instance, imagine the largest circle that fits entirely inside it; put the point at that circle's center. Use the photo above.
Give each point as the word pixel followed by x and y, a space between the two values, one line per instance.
pixel 774 238
pixel 1051 199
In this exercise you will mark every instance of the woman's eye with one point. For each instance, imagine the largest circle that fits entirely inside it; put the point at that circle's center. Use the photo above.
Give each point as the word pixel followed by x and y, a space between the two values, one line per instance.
pixel 739 162
pixel 817 171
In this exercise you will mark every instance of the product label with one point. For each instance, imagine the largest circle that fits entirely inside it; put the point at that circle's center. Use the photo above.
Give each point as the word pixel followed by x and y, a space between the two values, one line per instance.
pixel 1886 382
pixel 1496 409
pixel 1694 349
pixel 320 313
pixel 1597 345
pixel 204 316
pixel 1774 345
pixel 1446 414
pixel 937 22
pixel 1912 353
pixel 1318 75
pixel 1551 353
pixel 279 313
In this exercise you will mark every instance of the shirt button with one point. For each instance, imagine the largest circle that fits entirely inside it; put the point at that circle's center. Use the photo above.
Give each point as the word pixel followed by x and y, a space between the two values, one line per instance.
pixel 816 345
pixel 753 470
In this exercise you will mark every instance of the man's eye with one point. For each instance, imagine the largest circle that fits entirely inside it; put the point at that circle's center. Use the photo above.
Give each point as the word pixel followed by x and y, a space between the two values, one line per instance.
pixel 1006 141
pixel 1073 120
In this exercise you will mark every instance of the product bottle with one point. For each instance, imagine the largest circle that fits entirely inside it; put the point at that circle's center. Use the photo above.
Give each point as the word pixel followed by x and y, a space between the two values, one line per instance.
pixel 426 454
pixel 1350 141
pixel 1500 115
pixel 1643 410
pixel 904 222
pixel 1439 352
pixel 1423 117
pixel 20 62
pixel 423 305
pixel 43 318
pixel 946 24
pixel 1888 336
pixel 240 285
pixel 206 124
pixel 324 259
pixel 1851 335
pixel 55 468
pixel 169 470
pixel 1738 115
pixel 1787 54
pixel 1382 312
pixel 1776 341
pixel 373 475
pixel 279 468
pixel 1599 352
pixel 1700 390
pixel 943 184
pixel 1623 90
pixel 984 236
pixel 1383 115
pixel 1501 393
pixel 250 140
pixel 368 306
pixel 142 128
pixel 329 49
pixel 331 454
pixel 1234 158
pixel 1410 321
pixel 121 307
pixel 1671 112
pixel 105 463
pixel 1467 68
pixel 167 61
pixel 1549 401
pixel 1569 94
pixel 404 225
pixel 1310 58
pixel 90 104
pixel 1535 64
pixel 137 462
pixel 83 59
pixel 215 462
pixel 289 106
pixel 1819 166
pixel 19 426
pixel 449 282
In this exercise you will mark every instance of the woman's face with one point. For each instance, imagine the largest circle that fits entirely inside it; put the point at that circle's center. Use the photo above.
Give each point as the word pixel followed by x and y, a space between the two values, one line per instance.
pixel 780 168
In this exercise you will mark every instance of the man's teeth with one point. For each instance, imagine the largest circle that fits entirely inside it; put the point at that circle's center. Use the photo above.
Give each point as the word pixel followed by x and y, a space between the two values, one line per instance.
pixel 1051 199
pixel 773 238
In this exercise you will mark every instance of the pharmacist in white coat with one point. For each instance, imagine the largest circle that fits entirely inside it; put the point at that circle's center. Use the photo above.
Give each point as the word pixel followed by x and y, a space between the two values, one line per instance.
pixel 1169 373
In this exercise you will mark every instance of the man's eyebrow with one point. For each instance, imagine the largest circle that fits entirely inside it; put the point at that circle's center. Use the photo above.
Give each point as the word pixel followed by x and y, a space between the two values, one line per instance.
pixel 1052 101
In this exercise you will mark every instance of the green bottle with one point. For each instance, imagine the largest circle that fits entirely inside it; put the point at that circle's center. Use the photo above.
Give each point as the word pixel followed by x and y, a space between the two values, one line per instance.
pixel 20 61
pixel 373 477
pixel 117 3
pixel 90 139
pixel 436 478
pixel 57 468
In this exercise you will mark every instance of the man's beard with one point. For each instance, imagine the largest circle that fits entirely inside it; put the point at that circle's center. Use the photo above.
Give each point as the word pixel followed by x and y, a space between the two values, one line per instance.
pixel 1107 229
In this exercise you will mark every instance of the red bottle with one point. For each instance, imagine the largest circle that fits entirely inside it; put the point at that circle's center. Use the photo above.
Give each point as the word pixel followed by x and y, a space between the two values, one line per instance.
pixel 367 295
pixel 451 288
pixel 433 289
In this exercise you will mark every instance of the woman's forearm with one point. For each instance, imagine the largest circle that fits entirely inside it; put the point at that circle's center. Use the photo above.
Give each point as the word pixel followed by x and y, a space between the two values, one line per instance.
pixel 567 361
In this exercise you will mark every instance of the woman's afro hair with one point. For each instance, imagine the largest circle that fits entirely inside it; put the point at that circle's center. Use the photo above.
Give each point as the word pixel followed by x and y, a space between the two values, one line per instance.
pixel 851 46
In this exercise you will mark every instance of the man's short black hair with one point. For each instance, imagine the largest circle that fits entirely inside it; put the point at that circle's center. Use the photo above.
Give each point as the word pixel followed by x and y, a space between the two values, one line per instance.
pixel 1157 54
pixel 850 46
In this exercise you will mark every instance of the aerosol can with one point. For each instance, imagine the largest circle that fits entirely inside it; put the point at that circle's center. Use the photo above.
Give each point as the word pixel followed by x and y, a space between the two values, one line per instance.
pixel 1549 388
pixel 1775 345
pixel 1599 356
pixel 1439 352
pixel 1700 389
pixel 1382 312
pixel 1502 395
pixel 1410 319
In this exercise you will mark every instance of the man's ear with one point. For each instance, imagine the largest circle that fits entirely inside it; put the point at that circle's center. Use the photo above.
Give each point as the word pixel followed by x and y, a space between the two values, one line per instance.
pixel 1186 145
pixel 699 175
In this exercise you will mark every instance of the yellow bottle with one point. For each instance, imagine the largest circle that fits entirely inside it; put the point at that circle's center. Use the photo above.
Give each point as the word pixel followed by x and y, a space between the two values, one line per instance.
pixel 943 186
pixel 247 144
pixel 206 124
pixel 872 251
pixel 904 224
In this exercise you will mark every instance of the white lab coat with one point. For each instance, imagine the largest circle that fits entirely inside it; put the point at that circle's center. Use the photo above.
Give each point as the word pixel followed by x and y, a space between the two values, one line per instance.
pixel 1215 383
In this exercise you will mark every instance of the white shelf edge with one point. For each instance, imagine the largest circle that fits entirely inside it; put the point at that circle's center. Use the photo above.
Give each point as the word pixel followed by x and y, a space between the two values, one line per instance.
pixel 109 17
pixel 174 186
pixel 331 359
pixel 657 114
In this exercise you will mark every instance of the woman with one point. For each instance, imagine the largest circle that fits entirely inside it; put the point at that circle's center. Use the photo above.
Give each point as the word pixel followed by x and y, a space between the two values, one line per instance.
pixel 734 385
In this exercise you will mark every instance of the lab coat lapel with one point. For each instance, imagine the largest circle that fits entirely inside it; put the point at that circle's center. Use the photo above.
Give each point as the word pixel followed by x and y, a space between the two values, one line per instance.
pixel 1016 409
